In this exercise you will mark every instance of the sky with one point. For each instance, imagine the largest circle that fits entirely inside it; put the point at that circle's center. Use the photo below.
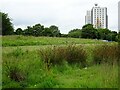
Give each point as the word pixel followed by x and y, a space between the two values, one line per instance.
pixel 66 14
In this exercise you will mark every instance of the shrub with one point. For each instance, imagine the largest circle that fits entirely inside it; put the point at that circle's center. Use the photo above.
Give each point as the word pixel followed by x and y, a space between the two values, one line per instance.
pixel 105 54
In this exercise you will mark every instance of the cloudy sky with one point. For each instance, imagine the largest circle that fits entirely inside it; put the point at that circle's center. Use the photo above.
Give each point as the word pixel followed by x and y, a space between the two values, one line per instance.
pixel 66 14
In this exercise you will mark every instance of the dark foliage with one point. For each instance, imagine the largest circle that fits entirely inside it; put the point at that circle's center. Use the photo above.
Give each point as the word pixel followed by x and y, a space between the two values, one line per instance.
pixel 7 28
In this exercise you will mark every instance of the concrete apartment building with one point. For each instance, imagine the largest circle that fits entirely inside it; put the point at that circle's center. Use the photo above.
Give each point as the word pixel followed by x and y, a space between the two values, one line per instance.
pixel 88 18
pixel 97 16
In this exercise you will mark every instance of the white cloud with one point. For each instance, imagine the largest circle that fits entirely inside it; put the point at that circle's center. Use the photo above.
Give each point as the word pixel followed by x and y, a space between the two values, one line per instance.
pixel 66 14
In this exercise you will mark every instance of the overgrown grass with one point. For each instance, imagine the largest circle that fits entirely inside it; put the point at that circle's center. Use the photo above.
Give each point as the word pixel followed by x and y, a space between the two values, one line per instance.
pixel 30 41
pixel 51 62
pixel 106 54
pixel 26 69
pixel 26 65
pixel 57 54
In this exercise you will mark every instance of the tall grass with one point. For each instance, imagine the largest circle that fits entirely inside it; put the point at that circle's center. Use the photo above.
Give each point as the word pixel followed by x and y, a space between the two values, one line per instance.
pixel 11 66
pixel 106 54
pixel 21 67
pixel 25 69
pixel 70 53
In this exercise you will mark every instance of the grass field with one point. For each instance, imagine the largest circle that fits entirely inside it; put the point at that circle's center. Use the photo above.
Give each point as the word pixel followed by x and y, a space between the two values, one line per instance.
pixel 32 41
pixel 28 62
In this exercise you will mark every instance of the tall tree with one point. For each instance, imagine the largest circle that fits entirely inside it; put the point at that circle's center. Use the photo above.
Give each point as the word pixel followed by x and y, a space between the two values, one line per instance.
pixel 7 28
pixel 54 30
pixel 88 31
pixel 37 30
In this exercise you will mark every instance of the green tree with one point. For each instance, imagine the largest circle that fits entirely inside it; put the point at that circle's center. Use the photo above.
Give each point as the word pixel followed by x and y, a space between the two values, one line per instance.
pixel 75 33
pixel 28 31
pixel 54 31
pixel 46 32
pixel 7 28
pixel 104 34
pixel 88 31
pixel 114 35
pixel 19 31
pixel 37 30
pixel 118 38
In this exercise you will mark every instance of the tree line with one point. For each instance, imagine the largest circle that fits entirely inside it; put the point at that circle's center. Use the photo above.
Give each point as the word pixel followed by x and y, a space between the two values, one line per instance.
pixel 39 30
pixel 87 31
pixel 36 30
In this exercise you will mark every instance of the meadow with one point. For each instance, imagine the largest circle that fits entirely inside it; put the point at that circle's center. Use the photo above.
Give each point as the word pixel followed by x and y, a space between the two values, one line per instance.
pixel 35 41
pixel 52 62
